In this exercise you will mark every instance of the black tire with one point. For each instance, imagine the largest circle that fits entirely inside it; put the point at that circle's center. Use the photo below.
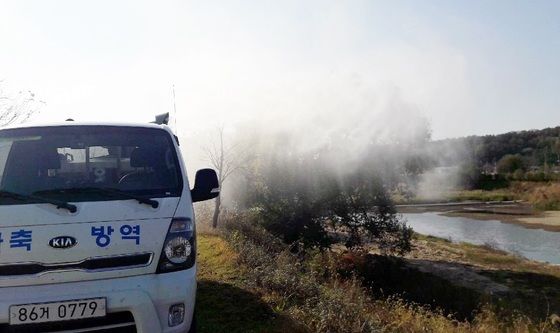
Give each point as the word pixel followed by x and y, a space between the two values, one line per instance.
pixel 193 324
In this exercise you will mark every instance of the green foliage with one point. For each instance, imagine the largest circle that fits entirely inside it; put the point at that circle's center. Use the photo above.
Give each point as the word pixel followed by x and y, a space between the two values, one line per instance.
pixel 510 164
pixel 361 209
pixel 492 182
pixel 483 195
pixel 534 148
pixel 540 176
pixel 288 204
pixel 305 204
pixel 518 175
pixel 469 175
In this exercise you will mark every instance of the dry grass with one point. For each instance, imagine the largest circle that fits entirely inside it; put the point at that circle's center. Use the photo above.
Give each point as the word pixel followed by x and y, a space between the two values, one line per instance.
pixel 224 303
pixel 485 256
pixel 545 197
pixel 310 290
pixel 482 195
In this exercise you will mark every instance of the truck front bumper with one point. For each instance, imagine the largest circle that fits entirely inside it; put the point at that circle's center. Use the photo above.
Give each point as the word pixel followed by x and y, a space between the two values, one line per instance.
pixel 147 297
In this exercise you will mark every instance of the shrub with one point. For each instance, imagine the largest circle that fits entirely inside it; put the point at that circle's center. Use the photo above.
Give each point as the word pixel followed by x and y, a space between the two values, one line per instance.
pixel 310 208
pixel 362 210
pixel 511 163
pixel 518 175
pixel 546 197
pixel 492 182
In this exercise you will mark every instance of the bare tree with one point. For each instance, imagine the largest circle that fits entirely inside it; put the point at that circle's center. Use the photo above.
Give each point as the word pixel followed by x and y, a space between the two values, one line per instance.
pixel 225 159
pixel 17 107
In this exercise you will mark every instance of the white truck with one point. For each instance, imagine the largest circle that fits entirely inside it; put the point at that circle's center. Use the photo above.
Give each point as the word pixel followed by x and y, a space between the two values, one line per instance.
pixel 97 231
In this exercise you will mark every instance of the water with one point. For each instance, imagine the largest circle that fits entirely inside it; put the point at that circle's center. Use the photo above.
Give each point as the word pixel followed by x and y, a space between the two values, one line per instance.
pixel 536 244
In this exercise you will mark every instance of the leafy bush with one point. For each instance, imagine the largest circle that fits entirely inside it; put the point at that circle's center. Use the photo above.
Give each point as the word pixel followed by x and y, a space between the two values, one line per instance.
pixel 362 210
pixel 510 164
pixel 469 175
pixel 492 182
pixel 309 206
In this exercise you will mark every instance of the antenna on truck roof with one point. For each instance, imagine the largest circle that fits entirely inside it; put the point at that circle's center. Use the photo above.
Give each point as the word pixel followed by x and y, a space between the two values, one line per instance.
pixel 174 110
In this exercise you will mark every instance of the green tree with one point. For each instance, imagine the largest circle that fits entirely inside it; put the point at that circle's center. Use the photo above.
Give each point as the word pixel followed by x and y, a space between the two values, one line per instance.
pixel 362 210
pixel 557 150
pixel 510 163
pixel 469 174
pixel 308 205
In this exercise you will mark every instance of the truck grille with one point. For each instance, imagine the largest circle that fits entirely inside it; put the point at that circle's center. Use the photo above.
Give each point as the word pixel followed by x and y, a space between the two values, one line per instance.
pixel 122 322
pixel 91 264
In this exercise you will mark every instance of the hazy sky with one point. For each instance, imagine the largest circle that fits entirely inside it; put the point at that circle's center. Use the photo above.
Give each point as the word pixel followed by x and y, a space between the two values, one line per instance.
pixel 471 67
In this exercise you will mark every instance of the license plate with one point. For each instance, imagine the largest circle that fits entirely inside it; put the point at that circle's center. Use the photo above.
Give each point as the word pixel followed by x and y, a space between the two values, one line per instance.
pixel 57 311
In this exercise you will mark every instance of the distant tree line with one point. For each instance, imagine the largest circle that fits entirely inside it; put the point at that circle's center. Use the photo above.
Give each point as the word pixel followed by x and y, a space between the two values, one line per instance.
pixel 524 155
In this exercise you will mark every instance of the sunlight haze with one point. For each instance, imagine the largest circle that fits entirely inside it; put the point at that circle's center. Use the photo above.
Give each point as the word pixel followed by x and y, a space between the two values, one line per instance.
pixel 473 67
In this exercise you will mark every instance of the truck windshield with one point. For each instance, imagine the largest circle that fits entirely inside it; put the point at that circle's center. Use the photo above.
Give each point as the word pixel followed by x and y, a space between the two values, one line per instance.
pixel 67 162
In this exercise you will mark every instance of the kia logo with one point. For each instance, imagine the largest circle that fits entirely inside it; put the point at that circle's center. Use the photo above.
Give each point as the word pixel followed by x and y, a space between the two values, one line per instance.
pixel 63 242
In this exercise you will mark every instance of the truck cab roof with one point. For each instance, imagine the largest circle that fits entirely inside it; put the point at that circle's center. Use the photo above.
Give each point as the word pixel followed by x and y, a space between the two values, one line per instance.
pixel 80 123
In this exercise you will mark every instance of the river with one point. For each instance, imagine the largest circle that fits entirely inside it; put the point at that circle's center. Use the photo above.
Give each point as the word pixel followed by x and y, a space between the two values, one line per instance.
pixel 535 244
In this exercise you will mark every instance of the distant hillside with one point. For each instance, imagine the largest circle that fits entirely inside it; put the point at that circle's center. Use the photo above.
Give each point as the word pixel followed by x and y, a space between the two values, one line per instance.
pixel 532 147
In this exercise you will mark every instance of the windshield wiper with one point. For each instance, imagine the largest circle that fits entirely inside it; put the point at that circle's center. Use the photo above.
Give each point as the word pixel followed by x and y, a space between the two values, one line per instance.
pixel 107 190
pixel 32 198
pixel 140 199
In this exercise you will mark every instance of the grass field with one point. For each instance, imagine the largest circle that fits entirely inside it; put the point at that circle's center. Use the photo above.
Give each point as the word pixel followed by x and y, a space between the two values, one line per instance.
pixel 223 303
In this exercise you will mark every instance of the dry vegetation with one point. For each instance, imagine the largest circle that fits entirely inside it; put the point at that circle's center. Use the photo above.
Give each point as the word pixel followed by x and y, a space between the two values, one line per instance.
pixel 224 303
pixel 315 292
pixel 543 196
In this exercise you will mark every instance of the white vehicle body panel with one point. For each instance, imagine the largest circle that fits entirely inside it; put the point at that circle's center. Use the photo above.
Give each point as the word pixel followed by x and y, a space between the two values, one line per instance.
pixel 137 289
pixel 148 297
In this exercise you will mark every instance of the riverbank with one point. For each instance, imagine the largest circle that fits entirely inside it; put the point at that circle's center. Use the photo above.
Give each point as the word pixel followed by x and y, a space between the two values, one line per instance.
pixel 515 212
pixel 530 204
pixel 441 287
pixel 513 282
pixel 542 196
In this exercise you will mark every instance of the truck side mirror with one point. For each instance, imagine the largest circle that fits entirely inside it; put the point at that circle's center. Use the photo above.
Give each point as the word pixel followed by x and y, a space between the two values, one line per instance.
pixel 206 185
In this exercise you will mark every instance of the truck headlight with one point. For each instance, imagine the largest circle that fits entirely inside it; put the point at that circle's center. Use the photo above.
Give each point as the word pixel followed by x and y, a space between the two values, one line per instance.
pixel 179 248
